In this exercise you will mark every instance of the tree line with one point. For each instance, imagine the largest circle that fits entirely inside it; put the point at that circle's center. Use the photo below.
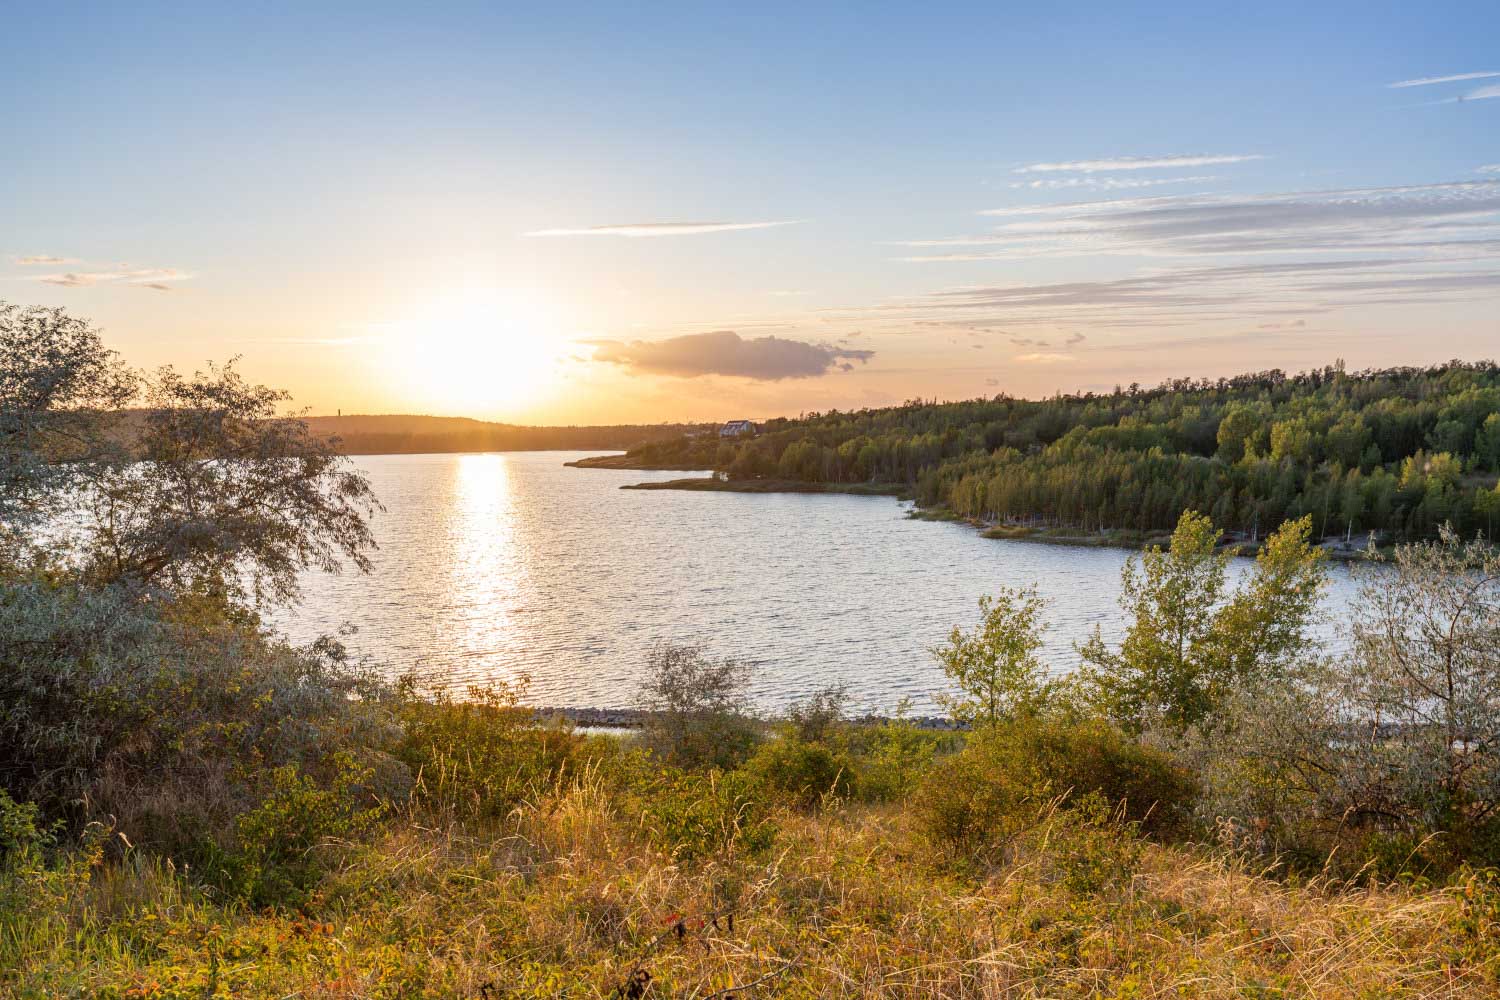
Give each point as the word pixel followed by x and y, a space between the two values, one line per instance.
pixel 1400 451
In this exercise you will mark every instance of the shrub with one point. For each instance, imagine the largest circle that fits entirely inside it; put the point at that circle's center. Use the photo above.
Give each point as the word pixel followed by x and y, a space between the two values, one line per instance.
pixel 165 715
pixel 891 758
pixel 692 815
pixel 1008 775
pixel 698 708
pixel 281 846
pixel 478 757
pixel 803 773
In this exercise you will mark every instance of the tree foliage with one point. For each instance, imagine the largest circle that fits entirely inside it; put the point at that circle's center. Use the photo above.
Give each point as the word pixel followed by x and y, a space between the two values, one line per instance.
pixel 1186 644
pixel 1401 451
pixel 994 666
pixel 163 481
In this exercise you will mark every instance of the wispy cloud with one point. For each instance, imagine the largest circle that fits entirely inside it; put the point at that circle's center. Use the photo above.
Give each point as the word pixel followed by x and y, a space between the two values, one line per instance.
pixel 155 278
pixel 662 228
pixel 1488 168
pixel 1137 163
pixel 1455 219
pixel 1426 81
pixel 42 258
pixel 1481 94
pixel 1107 183
pixel 725 352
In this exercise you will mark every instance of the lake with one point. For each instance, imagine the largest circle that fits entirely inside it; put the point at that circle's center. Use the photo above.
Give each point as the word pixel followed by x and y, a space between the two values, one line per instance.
pixel 496 565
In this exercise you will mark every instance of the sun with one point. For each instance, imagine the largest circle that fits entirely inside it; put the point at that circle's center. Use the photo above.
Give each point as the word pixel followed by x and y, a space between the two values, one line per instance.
pixel 476 352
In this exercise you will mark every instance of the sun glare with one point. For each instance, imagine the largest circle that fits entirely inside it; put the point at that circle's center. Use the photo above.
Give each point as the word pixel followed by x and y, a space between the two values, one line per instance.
pixel 476 353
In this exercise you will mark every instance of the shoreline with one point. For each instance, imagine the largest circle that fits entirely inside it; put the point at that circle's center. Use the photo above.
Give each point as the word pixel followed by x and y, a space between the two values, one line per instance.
pixel 1072 537
pixel 636 718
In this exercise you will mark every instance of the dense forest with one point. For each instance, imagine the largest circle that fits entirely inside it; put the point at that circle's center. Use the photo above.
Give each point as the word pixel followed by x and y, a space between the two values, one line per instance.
pixel 400 434
pixel 1400 451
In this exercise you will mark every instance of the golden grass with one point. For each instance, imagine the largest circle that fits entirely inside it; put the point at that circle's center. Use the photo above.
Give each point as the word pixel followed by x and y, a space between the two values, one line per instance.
pixel 565 898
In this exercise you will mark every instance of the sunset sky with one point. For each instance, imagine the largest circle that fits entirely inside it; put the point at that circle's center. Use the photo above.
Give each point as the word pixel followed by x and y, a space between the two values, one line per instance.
pixel 577 214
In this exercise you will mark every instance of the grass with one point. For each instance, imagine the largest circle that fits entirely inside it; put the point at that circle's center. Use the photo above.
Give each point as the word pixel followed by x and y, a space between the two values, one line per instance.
pixel 569 895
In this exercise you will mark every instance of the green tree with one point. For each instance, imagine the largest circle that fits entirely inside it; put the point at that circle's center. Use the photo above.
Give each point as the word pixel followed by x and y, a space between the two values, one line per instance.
pixel 994 666
pixel 1158 672
pixel 1187 647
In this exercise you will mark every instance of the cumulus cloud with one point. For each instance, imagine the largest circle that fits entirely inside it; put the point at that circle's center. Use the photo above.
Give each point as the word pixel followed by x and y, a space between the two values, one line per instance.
pixel 1424 81
pixel 1137 163
pixel 661 228
pixel 725 352
pixel 156 278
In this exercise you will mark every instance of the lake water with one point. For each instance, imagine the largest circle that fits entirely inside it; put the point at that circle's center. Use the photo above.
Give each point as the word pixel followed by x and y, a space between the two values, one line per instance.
pixel 496 565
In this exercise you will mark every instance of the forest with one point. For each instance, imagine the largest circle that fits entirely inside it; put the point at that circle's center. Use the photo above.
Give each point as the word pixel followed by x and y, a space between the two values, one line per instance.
pixel 1397 451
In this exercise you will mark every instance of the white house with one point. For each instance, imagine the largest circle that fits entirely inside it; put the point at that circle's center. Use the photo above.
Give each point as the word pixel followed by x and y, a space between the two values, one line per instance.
pixel 736 428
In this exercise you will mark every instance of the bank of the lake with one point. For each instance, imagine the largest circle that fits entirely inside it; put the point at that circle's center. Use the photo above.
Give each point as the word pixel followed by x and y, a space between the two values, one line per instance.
pixel 1337 548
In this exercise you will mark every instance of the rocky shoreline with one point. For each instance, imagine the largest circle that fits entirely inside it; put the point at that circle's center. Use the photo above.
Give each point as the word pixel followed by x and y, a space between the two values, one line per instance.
pixel 635 718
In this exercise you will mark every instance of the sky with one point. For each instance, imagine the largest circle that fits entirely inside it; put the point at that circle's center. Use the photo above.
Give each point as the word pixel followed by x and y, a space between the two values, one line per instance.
pixel 636 212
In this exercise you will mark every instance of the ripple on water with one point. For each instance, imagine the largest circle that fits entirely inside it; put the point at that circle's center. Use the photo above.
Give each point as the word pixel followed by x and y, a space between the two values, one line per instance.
pixel 496 565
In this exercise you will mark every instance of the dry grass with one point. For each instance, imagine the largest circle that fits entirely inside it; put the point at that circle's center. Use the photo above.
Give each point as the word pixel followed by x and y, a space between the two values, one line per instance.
pixel 566 898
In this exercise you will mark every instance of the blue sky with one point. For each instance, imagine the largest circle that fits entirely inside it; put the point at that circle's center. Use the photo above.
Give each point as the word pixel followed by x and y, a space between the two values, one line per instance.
pixel 349 197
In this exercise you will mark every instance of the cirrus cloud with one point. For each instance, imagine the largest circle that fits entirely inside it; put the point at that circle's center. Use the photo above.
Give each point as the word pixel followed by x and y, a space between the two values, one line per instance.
pixel 32 260
pixel 725 352
pixel 155 278
pixel 1426 81
pixel 662 228
pixel 1137 163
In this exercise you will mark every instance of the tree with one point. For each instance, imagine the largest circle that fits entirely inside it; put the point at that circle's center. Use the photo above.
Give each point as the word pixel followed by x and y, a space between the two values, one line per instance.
pixel 1187 648
pixel 61 393
pixel 1158 673
pixel 1424 681
pixel 698 707
pixel 203 488
pixel 994 666
pixel 1262 628
pixel 223 495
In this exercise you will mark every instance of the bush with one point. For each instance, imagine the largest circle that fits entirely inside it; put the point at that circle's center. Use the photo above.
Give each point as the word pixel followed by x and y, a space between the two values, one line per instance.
pixel 163 716
pixel 891 758
pixel 803 773
pixel 698 708
pixel 693 815
pixel 282 845
pixel 480 756
pixel 1007 776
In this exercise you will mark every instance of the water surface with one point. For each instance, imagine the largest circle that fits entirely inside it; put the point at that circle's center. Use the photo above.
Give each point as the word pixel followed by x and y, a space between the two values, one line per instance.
pixel 496 565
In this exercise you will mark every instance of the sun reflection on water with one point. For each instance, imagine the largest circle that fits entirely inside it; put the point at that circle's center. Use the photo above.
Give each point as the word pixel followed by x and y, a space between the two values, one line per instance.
pixel 487 570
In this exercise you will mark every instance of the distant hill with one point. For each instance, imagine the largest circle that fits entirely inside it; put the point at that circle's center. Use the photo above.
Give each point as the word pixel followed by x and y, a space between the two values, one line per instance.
pixel 391 434
pixel 1399 451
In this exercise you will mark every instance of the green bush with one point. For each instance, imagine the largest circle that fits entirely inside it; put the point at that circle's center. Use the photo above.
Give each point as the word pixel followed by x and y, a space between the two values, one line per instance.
pixel 162 716
pixel 480 756
pixel 1008 775
pixel 1074 759
pixel 890 759
pixel 803 773
pixel 282 846
pixel 693 815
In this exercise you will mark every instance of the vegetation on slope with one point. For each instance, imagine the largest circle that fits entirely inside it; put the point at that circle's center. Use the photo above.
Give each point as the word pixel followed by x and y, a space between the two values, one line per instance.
pixel 191 807
pixel 1402 450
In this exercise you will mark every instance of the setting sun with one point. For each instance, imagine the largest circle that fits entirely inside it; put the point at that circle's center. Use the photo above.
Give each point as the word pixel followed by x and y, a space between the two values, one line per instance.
pixel 475 351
